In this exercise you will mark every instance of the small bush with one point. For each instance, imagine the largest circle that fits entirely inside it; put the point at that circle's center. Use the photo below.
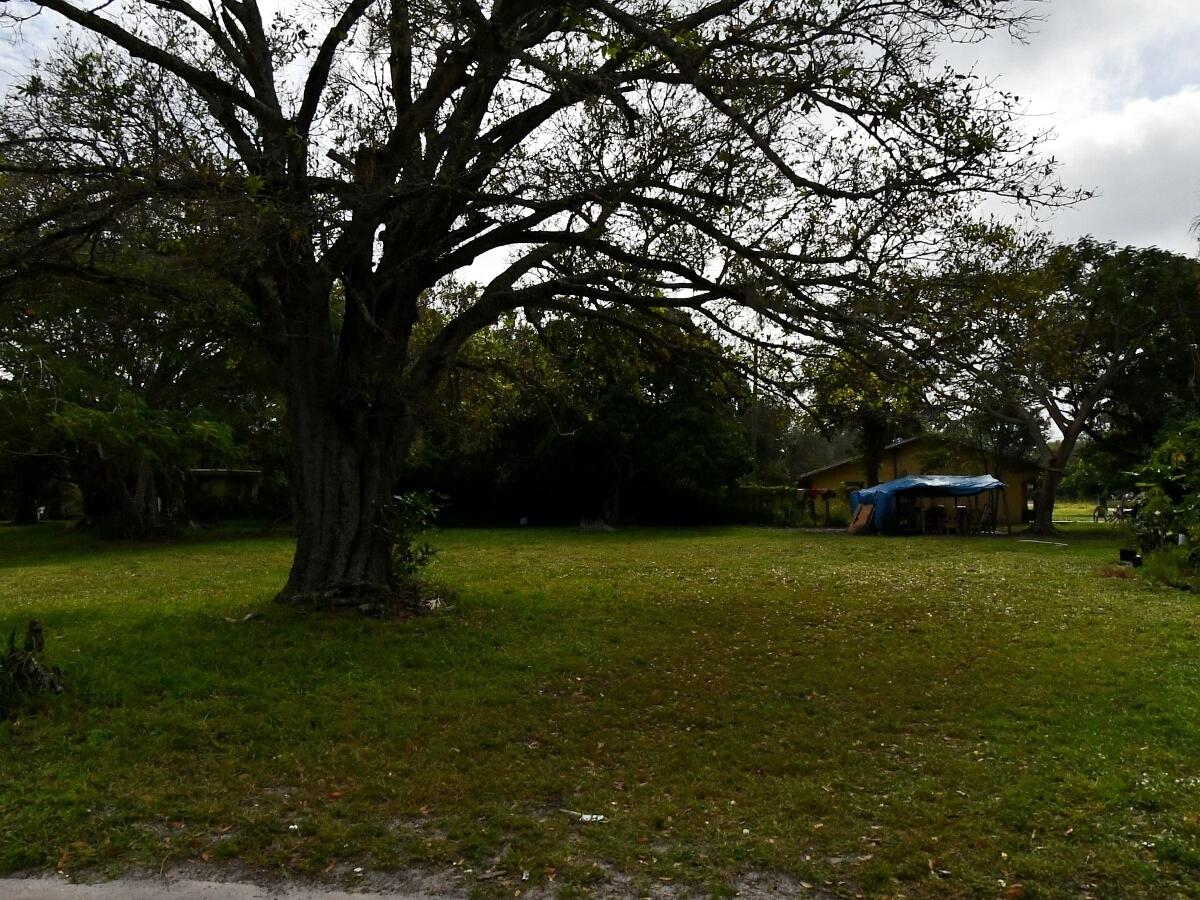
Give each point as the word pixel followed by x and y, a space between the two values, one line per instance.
pixel 782 507
pixel 23 675
pixel 839 514
pixel 1169 505
pixel 1172 566
pixel 409 518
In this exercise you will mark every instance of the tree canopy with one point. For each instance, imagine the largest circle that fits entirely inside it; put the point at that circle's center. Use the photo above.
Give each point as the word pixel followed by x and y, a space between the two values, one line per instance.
pixel 711 155
pixel 1052 339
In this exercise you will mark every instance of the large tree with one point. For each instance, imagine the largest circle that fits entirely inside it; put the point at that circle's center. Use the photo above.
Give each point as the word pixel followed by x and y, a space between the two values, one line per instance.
pixel 873 388
pixel 1053 340
pixel 713 155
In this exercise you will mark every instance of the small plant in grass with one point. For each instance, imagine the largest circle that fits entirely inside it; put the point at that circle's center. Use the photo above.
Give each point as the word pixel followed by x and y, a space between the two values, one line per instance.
pixel 23 675
pixel 1173 566
pixel 1168 524
pixel 409 519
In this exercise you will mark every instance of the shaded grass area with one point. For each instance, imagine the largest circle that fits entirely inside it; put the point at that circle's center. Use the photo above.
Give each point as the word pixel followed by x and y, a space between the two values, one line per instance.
pixel 926 716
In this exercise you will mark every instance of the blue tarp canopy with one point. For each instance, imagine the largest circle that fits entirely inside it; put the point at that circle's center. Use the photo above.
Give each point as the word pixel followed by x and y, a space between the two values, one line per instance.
pixel 882 496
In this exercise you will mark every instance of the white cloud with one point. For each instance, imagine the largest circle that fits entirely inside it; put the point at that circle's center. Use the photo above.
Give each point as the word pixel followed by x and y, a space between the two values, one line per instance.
pixel 1143 161
pixel 1119 84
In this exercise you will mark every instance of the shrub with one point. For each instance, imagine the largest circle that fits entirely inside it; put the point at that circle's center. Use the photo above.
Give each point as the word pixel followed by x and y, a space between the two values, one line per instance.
pixel 782 507
pixel 23 675
pixel 409 518
pixel 1172 566
pixel 1167 527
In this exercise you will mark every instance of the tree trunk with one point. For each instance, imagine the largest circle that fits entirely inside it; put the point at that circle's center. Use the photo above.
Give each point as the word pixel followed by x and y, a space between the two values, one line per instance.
pixel 122 503
pixel 57 510
pixel 614 496
pixel 26 508
pixel 1055 462
pixel 1044 514
pixel 352 410
pixel 873 438
pixel 141 516
pixel 344 467
pixel 27 483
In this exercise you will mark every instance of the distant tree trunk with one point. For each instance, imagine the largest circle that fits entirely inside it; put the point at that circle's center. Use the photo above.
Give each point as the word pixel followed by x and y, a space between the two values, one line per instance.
pixel 25 507
pixel 1047 491
pixel 142 512
pixel 1054 464
pixel 121 503
pixel 614 496
pixel 873 436
pixel 57 509
pixel 28 481
pixel 137 515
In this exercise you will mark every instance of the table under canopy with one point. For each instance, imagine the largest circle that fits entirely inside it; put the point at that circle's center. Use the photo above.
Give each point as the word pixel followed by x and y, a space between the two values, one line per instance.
pixel 883 496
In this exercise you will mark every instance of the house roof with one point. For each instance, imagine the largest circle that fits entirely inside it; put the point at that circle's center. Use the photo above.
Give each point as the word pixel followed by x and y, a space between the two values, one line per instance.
pixel 227 473
pixel 914 440
pixel 851 459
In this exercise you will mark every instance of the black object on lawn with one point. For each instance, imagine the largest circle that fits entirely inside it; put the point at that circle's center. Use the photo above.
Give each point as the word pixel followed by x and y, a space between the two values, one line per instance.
pixel 1131 557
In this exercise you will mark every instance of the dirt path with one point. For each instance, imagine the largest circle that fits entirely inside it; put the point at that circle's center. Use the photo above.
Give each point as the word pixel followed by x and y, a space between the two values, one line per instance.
pixel 184 889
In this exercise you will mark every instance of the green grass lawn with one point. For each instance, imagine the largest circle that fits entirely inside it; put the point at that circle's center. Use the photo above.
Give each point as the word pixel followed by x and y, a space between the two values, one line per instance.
pixel 1077 511
pixel 926 717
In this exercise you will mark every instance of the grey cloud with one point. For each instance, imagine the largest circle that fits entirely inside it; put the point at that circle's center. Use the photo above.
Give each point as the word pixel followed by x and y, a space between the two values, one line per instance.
pixel 1146 169
pixel 1117 81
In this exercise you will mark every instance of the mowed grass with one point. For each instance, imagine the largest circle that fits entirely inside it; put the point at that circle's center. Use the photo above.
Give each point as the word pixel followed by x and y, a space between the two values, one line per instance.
pixel 1074 511
pixel 933 717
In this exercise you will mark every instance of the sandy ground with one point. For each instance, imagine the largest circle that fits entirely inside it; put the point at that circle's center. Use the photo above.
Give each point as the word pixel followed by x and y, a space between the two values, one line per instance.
pixel 195 885
pixel 184 889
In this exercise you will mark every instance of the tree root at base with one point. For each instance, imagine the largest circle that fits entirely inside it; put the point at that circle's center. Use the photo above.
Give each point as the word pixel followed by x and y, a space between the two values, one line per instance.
pixel 395 601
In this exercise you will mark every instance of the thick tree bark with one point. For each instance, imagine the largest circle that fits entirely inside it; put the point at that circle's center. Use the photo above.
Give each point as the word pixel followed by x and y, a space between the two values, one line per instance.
pixel 343 492
pixel 1047 492
pixel 1054 468
pixel 347 450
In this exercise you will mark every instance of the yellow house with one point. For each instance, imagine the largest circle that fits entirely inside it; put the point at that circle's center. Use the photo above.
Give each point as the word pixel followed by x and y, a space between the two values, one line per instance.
pixel 240 485
pixel 931 454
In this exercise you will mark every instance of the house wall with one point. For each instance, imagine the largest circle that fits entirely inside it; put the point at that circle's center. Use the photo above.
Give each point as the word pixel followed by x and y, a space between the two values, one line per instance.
pixel 934 458
pixel 222 485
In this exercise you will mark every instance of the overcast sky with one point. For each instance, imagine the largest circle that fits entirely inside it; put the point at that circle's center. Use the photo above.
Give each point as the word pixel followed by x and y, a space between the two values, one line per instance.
pixel 1119 83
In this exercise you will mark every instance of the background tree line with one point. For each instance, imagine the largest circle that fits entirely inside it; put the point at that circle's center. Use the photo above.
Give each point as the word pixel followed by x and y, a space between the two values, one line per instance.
pixel 107 404
pixel 117 390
